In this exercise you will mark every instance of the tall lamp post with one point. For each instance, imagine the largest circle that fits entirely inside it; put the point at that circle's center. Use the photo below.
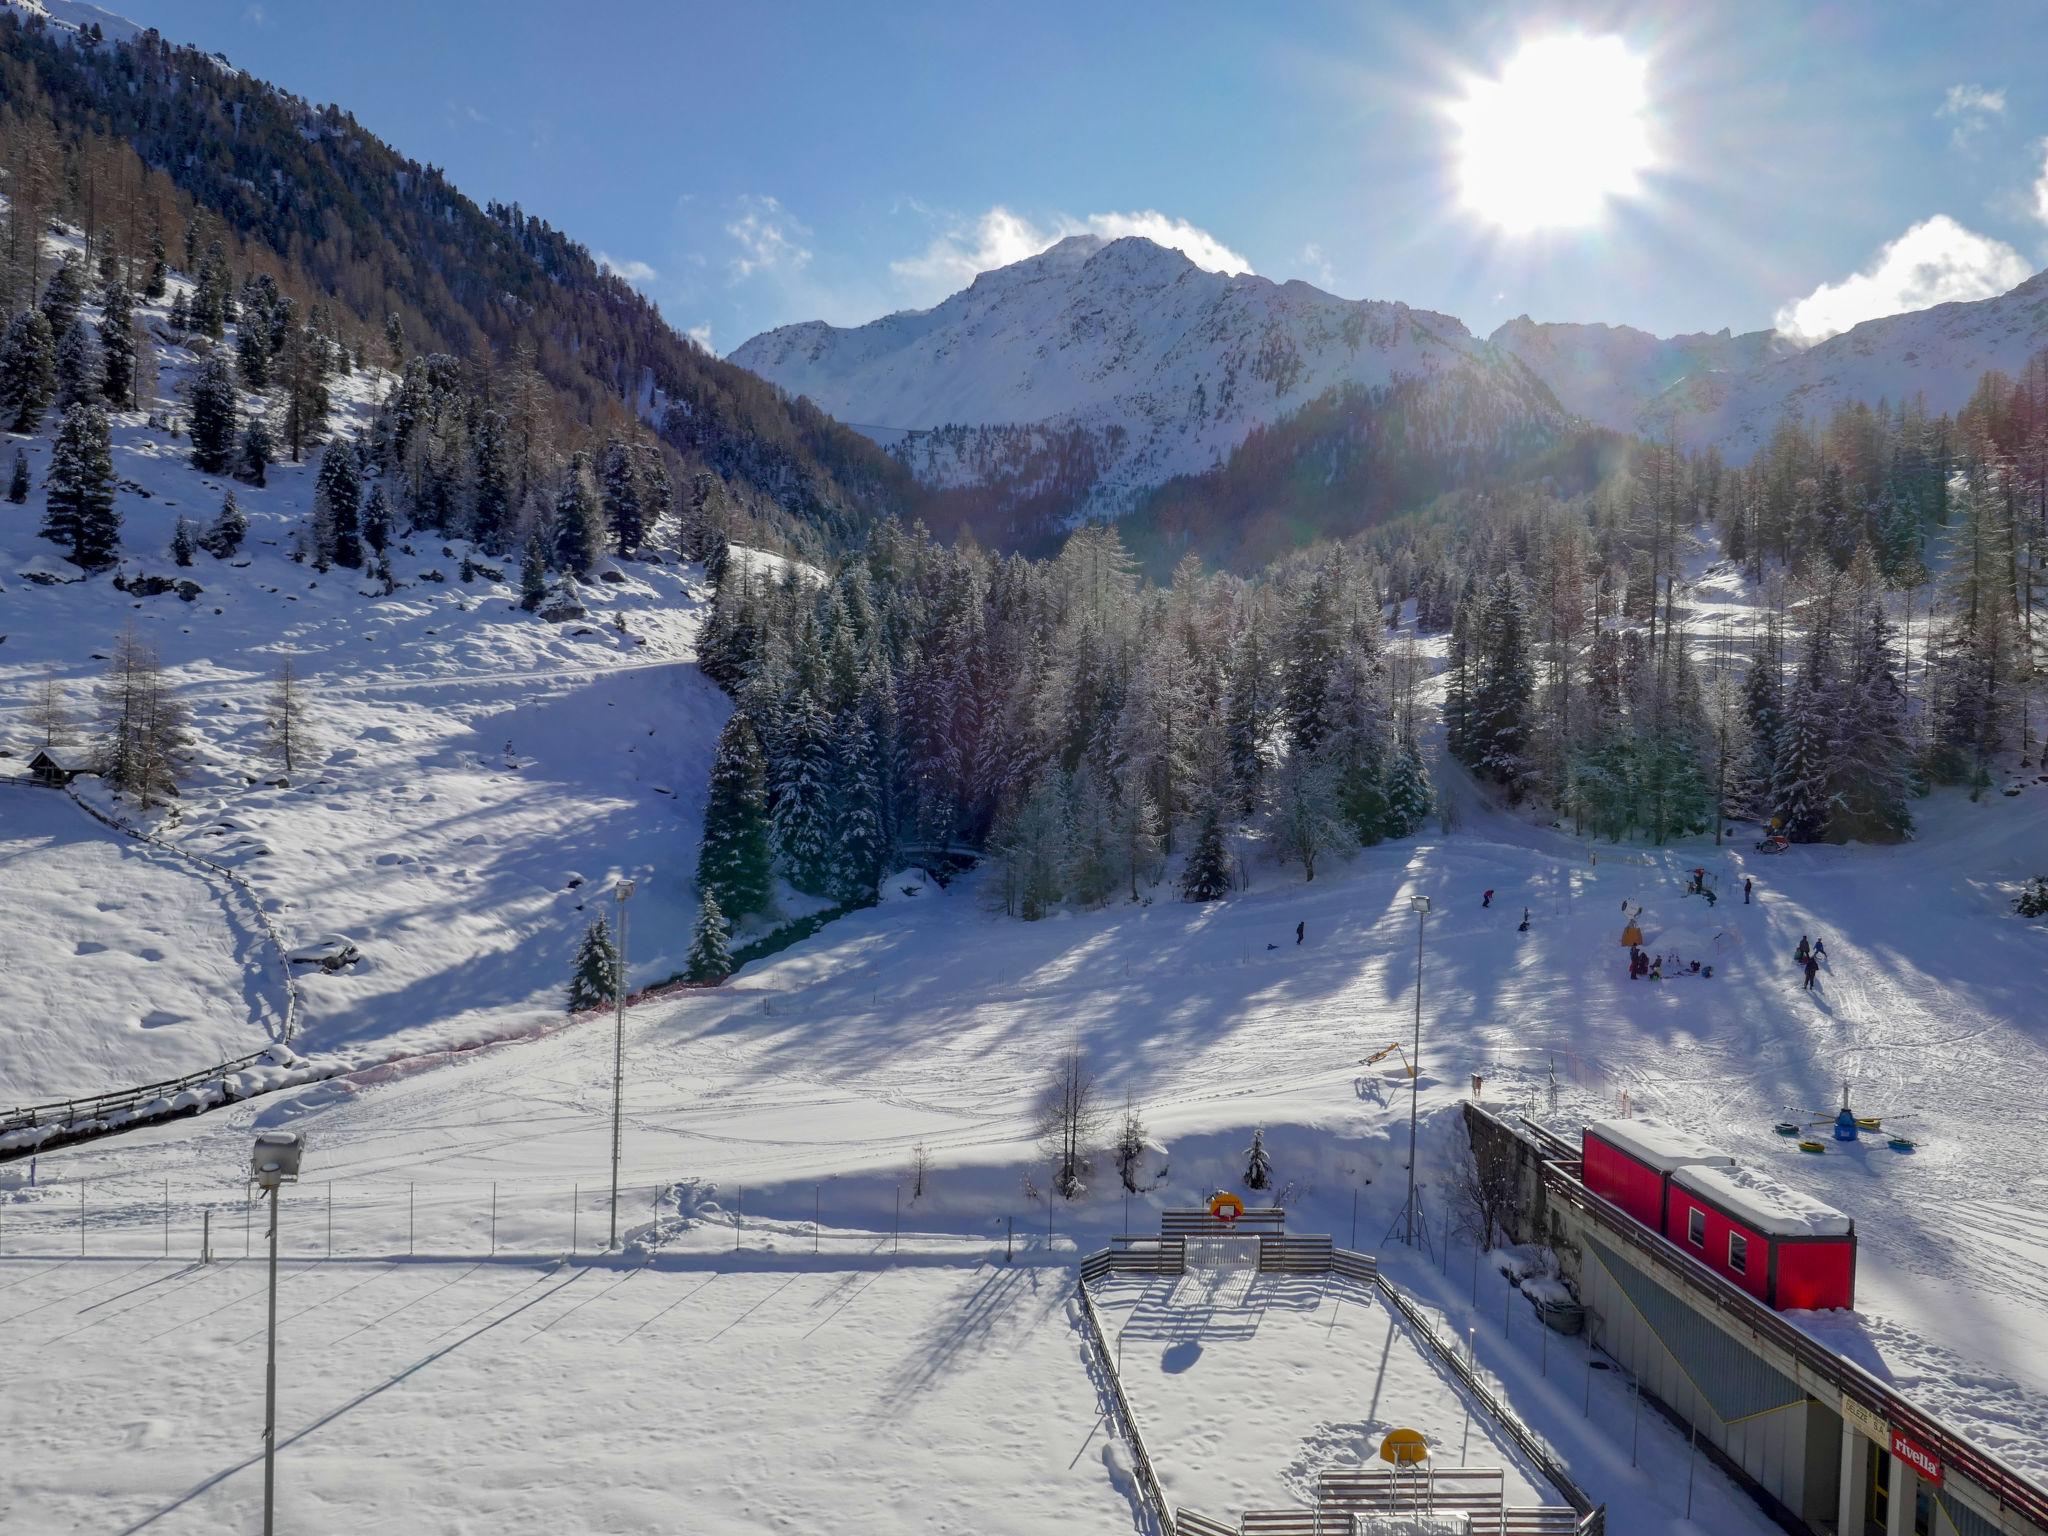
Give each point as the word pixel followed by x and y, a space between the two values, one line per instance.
pixel 621 893
pixel 273 1163
pixel 1421 906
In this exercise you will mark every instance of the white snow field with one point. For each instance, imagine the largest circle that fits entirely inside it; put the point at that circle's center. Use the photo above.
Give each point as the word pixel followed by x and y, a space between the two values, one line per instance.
pixel 522 1399
pixel 477 774
pixel 810 1079
pixel 123 963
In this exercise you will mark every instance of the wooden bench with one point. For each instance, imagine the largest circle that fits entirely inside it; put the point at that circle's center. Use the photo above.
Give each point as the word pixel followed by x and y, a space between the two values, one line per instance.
pixel 1294 1255
pixel 1540 1520
pixel 1189 1523
pixel 1475 1491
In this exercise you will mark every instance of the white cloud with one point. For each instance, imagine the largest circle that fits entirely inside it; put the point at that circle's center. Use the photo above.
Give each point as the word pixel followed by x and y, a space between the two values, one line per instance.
pixel 1001 236
pixel 1937 261
pixel 2041 186
pixel 770 238
pixel 635 272
pixel 701 334
pixel 1198 245
pixel 1971 108
pixel 1317 265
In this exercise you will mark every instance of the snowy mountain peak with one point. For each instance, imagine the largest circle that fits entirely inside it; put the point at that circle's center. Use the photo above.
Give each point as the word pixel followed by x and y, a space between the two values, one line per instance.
pixel 1159 367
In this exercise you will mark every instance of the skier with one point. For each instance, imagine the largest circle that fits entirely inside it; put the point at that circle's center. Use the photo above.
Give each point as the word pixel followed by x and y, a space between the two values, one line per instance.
pixel 1804 951
pixel 1486 900
pixel 1746 884
pixel 1711 897
pixel 1820 950
pixel 1525 921
pixel 1657 969
pixel 1812 970
pixel 1699 880
pixel 1299 929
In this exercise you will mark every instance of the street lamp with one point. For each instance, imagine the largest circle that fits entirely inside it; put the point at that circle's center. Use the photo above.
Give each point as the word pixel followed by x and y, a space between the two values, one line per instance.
pixel 273 1163
pixel 1420 904
pixel 620 892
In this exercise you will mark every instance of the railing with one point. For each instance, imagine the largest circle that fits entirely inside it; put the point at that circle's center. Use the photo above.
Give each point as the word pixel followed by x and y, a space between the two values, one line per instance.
pixel 2011 1489
pixel 1141 1460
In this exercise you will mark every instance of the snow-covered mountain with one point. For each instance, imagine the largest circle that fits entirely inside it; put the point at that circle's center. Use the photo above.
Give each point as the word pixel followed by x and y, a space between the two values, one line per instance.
pixel 1729 391
pixel 1608 373
pixel 1127 356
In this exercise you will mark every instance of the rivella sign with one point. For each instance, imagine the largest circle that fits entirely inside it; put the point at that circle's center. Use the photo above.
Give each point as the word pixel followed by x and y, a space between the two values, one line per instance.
pixel 1917 1456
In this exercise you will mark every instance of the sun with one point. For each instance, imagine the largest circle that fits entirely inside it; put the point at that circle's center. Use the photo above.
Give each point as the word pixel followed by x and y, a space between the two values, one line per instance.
pixel 1561 133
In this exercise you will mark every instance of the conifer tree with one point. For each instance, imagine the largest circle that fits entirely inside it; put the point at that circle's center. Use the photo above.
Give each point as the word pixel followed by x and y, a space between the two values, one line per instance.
pixel 1800 774
pixel 1130 1147
pixel 533 571
pixel 65 294
pixel 619 482
pixel 117 344
pixel 1307 820
pixel 159 268
pixel 734 859
pixel 28 371
pixel 377 520
pixel 80 373
pixel 800 786
pixel 1409 796
pixel 213 417
pixel 491 509
pixel 287 733
pixel 1871 759
pixel 579 527
pixel 1497 741
pixel 79 509
pixel 18 481
pixel 182 542
pixel 1258 1167
pixel 594 979
pixel 230 527
pixel 179 316
pixel 710 958
pixel 338 494
pixel 1206 875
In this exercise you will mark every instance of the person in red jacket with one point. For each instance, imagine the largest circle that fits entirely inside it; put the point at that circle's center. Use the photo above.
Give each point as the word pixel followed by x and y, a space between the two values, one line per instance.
pixel 1486 900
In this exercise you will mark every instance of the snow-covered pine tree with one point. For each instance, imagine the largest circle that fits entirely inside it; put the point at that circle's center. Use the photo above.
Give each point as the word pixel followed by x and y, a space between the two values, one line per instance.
pixel 256 452
pixel 1258 1165
pixel 252 350
pixel 80 372
pixel 1130 1147
pixel 579 524
pixel 491 507
pixel 117 344
pixel 1134 823
pixel 1871 758
pixel 182 541
pixel 1801 772
pixel 1314 642
pixel 159 270
pixel 1307 820
pixel 619 486
pixel 230 527
pixel 338 495
pixel 1206 875
pixel 1497 739
pixel 800 790
pixel 28 371
pixel 710 958
pixel 79 491
pixel 734 859
pixel 179 315
pixel 858 842
pixel 533 571
pixel 64 295
pixel 213 417
pixel 594 979
pixel 18 480
pixel 1410 798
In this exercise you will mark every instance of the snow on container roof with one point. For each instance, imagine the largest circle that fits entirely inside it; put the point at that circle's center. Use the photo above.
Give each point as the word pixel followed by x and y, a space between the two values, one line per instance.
pixel 1663 1147
pixel 1761 1202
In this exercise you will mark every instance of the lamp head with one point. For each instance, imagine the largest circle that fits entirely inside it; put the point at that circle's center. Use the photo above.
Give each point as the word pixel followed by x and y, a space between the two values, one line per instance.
pixel 275 1158
pixel 623 889
pixel 1419 903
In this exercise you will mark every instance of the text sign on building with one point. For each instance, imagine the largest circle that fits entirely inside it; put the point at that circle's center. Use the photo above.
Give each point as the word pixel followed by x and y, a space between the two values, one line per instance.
pixel 1917 1456
pixel 1863 1419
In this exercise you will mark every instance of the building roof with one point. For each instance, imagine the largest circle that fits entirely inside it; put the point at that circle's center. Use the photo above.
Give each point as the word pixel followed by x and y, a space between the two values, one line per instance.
pixel 1663 1147
pixel 1763 1204
pixel 45 755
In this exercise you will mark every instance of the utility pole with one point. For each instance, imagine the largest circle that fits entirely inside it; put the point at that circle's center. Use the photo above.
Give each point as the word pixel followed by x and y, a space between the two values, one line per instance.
pixel 1421 906
pixel 621 893
pixel 274 1161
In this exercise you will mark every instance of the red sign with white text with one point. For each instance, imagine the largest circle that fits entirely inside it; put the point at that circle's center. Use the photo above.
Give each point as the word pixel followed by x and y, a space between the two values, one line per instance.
pixel 1918 1457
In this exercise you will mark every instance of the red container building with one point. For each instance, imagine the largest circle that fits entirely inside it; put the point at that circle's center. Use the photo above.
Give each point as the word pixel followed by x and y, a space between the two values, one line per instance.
pixel 1785 1248
pixel 1630 1162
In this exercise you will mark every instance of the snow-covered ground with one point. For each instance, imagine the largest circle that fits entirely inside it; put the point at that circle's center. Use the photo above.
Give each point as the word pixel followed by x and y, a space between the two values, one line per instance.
pixel 464 1396
pixel 478 776
pixel 124 965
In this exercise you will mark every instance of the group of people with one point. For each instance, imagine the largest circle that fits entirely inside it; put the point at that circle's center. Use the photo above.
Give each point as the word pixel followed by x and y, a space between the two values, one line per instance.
pixel 1643 965
pixel 1809 957
pixel 1486 900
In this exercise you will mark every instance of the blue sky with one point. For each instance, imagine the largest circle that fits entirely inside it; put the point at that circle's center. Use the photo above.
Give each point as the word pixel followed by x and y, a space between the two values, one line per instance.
pixel 759 163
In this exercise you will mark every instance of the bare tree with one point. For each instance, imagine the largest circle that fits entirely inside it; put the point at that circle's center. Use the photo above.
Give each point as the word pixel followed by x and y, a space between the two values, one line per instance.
pixel 1483 1189
pixel 285 718
pixel 120 700
pixel 1069 1113
pixel 48 714
pixel 920 1170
